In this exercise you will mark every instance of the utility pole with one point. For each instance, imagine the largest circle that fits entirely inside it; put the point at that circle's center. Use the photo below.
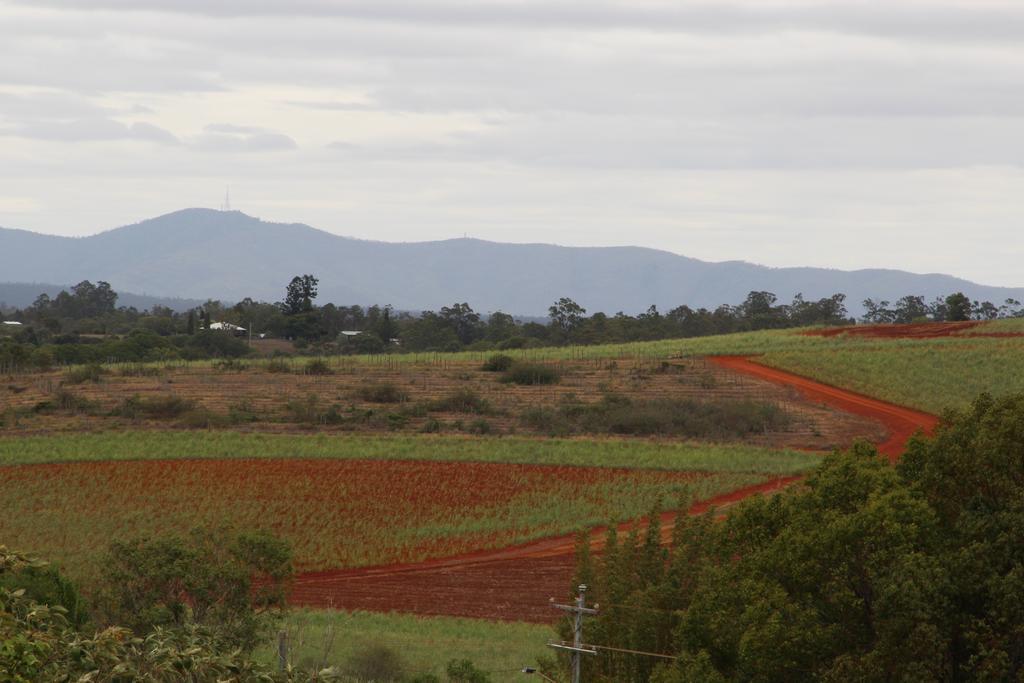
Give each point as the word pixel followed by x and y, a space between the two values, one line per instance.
pixel 577 648
pixel 282 650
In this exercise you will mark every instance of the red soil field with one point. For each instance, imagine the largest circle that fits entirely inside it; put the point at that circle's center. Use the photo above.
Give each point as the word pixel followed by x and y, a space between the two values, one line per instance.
pixel 912 331
pixel 515 583
pixel 510 584
pixel 334 513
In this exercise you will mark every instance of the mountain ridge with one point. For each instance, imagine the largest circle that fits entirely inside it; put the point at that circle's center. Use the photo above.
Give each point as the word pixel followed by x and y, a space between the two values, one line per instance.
pixel 203 253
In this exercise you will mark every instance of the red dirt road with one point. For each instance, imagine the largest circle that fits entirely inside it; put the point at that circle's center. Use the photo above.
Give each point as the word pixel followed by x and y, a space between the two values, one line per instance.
pixel 901 422
pixel 514 584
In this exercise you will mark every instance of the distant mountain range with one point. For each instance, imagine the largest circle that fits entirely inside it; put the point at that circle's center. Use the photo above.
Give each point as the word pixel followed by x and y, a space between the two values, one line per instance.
pixel 201 253
pixel 22 294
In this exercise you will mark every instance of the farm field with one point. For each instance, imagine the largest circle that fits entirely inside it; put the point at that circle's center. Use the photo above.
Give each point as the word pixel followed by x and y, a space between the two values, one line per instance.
pixel 336 513
pixel 423 644
pixel 940 366
pixel 371 500
pixel 592 397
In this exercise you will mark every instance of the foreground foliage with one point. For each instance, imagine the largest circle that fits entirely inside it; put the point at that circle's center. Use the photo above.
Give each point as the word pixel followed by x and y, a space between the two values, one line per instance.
pixel 188 601
pixel 39 643
pixel 868 572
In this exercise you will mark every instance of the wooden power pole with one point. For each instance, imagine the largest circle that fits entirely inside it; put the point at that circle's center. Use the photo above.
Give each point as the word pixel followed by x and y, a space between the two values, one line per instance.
pixel 577 648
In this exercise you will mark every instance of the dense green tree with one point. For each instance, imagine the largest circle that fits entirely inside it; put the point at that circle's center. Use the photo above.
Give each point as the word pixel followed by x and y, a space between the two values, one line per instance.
pixel 464 321
pixel 565 315
pixel 299 294
pixel 958 307
pixel 865 572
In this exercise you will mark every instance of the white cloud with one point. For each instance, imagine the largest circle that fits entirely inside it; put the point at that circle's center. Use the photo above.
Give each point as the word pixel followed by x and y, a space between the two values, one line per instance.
pixel 789 131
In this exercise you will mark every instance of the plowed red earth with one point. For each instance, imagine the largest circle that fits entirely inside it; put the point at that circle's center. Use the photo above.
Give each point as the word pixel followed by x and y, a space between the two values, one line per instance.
pixel 913 331
pixel 515 583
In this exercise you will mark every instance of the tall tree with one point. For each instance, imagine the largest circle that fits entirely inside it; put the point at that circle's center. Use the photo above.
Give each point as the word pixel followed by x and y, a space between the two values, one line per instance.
pixel 299 294
pixel 958 307
pixel 565 315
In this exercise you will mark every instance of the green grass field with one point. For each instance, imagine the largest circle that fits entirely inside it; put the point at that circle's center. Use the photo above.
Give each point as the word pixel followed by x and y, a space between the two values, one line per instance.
pixel 932 375
pixel 159 445
pixel 423 644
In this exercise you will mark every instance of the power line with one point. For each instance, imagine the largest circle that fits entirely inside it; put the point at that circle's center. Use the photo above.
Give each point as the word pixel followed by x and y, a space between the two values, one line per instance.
pixel 632 652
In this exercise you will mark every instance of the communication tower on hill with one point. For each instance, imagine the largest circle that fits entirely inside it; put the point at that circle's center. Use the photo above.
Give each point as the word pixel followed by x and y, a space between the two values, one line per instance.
pixel 226 204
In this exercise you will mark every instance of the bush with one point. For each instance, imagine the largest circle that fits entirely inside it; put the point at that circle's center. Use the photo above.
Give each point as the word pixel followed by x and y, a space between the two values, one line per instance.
pixel 139 370
pixel 531 373
pixel 546 420
pixel 201 418
pixel 213 577
pixel 316 366
pixel 382 393
pixel 497 363
pixel 70 401
pixel 311 411
pixel 230 365
pixel 682 417
pixel 431 426
pixel 85 373
pixel 479 426
pixel 377 663
pixel 45 585
pixel 462 401
pixel 617 414
pixel 157 408
pixel 242 412
pixel 277 365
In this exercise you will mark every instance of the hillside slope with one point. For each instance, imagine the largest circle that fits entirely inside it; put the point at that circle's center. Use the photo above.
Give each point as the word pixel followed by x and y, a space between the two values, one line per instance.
pixel 201 253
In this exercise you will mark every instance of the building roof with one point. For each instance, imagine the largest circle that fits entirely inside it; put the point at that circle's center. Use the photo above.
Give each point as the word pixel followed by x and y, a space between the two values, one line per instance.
pixel 226 326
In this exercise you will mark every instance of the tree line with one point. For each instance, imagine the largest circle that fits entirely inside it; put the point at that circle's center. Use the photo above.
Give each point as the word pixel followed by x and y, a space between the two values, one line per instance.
pixel 86 325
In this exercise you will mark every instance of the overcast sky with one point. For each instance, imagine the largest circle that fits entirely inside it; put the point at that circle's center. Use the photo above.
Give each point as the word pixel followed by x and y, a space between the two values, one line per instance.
pixel 836 133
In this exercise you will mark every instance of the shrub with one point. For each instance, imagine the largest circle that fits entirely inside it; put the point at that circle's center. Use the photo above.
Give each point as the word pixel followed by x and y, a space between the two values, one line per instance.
pixel 531 373
pixel 242 412
pixel 479 426
pixel 157 408
pixel 201 418
pixel 431 426
pixel 70 401
pixel 316 366
pixel 277 365
pixel 139 370
pixel 546 420
pixel 45 585
pixel 230 365
pixel 378 663
pixel 311 411
pixel 382 393
pixel 462 401
pixel 85 373
pixel 497 363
